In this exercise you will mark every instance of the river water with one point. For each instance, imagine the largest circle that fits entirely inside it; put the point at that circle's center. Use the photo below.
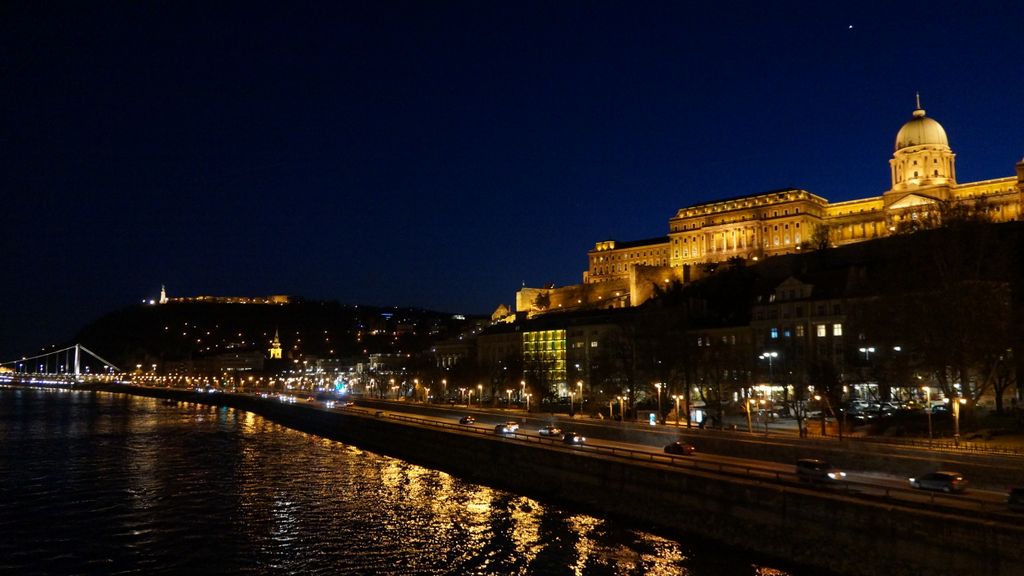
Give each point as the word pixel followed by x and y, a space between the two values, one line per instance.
pixel 96 483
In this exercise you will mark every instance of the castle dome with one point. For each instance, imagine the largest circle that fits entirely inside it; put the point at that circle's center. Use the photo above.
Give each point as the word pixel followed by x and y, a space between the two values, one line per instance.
pixel 921 130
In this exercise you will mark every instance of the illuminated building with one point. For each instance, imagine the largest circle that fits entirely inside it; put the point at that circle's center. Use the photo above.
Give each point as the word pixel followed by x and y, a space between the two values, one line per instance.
pixel 275 347
pixel 923 187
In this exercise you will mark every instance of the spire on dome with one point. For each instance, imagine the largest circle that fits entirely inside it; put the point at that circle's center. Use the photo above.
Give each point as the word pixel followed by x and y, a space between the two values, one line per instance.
pixel 918 111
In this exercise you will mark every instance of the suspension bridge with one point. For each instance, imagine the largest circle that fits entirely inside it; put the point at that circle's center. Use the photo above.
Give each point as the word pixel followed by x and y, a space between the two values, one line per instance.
pixel 74 364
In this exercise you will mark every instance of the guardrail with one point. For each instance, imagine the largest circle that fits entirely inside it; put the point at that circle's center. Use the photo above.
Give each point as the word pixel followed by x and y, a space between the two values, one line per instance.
pixel 851 488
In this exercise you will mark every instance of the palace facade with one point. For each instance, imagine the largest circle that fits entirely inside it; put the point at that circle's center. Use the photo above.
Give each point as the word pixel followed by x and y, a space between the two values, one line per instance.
pixel 923 188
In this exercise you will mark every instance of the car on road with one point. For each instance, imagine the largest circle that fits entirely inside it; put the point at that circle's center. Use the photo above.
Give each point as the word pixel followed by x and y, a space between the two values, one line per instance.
pixel 506 428
pixel 943 480
pixel 815 470
pixel 467 420
pixel 1015 499
pixel 680 448
pixel 549 431
pixel 573 438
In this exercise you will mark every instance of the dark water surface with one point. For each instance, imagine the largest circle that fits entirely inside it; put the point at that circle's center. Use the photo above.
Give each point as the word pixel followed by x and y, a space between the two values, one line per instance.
pixel 95 483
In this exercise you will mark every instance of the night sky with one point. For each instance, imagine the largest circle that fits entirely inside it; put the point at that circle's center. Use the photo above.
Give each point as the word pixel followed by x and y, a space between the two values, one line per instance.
pixel 441 154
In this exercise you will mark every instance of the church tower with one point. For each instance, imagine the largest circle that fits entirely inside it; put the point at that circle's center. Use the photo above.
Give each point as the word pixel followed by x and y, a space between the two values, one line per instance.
pixel 275 347
pixel 923 157
pixel 163 294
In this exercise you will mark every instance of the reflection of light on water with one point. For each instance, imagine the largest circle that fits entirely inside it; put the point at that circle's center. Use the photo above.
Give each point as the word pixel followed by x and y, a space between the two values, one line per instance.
pixel 582 526
pixel 665 556
pixel 526 515
pixel 480 501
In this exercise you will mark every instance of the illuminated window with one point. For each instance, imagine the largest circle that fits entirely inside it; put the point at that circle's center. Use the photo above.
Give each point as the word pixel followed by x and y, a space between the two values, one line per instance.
pixel 774 333
pixel 821 330
pixel 837 329
pixel 800 331
pixel 593 344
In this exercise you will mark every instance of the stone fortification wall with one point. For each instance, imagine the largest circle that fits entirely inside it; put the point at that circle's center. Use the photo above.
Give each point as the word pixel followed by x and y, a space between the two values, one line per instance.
pixel 610 294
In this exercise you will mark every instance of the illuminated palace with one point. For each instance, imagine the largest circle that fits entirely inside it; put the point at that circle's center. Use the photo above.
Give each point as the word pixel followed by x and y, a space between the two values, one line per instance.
pixel 923 173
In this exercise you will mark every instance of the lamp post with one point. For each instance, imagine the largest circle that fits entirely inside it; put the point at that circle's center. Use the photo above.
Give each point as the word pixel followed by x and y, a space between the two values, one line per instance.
pixel 747 405
pixel 770 356
pixel 658 387
pixel 469 397
pixel 677 397
pixel 956 419
pixel 829 406
pixel 444 389
pixel 570 402
pixel 928 408
pixel 579 384
pixel 622 408
pixel 522 389
pixel 764 415
pixel 509 407
pixel 480 389
pixel 527 403
pixel 611 409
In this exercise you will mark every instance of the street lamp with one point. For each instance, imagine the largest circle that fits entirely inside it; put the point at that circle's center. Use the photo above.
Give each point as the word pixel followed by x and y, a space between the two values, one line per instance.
pixel 444 389
pixel 956 418
pixel 622 408
pixel 677 398
pixel 480 389
pixel 828 405
pixel 469 397
pixel 570 402
pixel 579 384
pixel 769 356
pixel 928 408
pixel 527 403
pixel 750 426
pixel 658 387
pixel 509 391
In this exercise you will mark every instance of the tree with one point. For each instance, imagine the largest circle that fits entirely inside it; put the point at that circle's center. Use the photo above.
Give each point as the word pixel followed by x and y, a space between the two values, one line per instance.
pixel 542 301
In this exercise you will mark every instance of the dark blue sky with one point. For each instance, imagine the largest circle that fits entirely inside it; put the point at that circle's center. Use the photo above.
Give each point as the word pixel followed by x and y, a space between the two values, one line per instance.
pixel 440 154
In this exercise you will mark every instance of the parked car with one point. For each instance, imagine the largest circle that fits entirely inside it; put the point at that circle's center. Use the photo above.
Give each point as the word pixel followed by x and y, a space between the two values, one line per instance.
pixel 815 470
pixel 549 431
pixel 943 480
pixel 681 448
pixel 467 420
pixel 573 438
pixel 1015 499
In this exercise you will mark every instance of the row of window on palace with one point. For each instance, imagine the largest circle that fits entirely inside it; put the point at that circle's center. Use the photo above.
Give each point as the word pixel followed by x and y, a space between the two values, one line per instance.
pixel 820 330
pixel 799 331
